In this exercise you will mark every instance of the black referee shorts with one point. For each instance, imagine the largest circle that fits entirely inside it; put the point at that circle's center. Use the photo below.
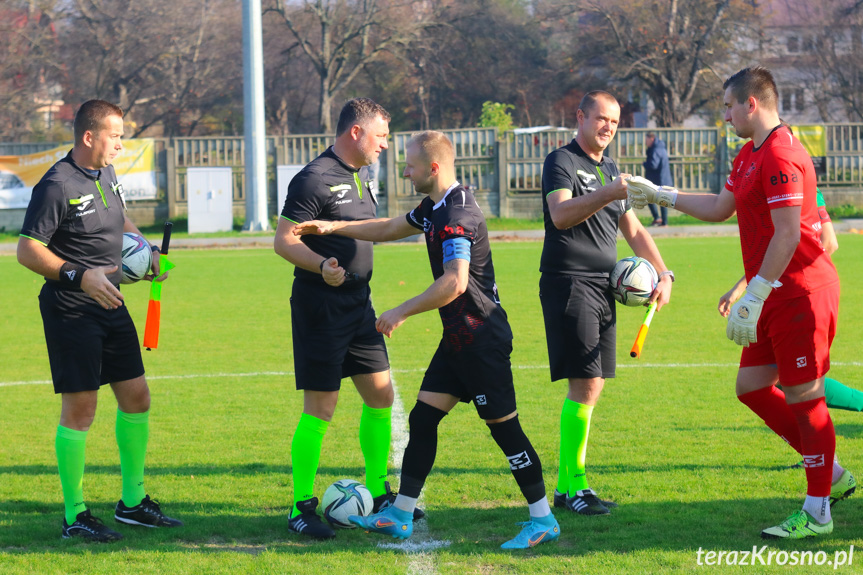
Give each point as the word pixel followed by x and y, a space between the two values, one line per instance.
pixel 334 335
pixel 580 326
pixel 483 376
pixel 88 346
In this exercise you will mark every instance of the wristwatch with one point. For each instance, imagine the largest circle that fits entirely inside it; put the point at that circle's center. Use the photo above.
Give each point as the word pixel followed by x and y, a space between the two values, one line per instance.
pixel 667 273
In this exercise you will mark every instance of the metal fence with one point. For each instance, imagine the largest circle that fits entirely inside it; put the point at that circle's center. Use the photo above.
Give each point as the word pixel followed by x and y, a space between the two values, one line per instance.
pixel 504 171
pixel 475 167
pixel 844 155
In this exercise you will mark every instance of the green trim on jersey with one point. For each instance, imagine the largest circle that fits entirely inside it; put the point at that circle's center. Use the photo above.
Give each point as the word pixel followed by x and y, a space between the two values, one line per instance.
pixel 101 193
pixel 558 190
pixel 289 219
pixel 601 176
pixel 819 199
pixel 359 184
pixel 34 239
pixel 340 187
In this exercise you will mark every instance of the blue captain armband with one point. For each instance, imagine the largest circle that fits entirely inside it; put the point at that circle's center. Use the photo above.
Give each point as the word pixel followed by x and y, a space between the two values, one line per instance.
pixel 456 248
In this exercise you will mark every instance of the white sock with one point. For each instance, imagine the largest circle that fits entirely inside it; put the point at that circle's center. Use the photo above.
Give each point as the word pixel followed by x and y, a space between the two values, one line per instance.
pixel 838 470
pixel 539 508
pixel 405 503
pixel 818 508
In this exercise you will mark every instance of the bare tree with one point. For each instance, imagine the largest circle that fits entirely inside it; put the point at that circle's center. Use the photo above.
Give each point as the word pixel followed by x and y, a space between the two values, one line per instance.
pixel 28 67
pixel 831 55
pixel 340 37
pixel 671 48
pixel 164 62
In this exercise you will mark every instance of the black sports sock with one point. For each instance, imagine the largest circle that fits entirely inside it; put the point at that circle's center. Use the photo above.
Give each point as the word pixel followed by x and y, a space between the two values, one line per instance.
pixel 422 448
pixel 523 460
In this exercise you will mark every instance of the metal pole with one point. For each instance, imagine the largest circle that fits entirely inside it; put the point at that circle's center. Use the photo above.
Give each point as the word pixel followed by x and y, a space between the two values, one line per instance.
pixel 253 115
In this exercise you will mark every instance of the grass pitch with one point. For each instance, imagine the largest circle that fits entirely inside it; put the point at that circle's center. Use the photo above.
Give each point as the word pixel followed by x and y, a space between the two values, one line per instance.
pixel 690 467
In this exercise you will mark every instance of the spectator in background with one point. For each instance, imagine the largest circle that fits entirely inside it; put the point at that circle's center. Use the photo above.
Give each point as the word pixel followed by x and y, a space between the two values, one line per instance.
pixel 657 170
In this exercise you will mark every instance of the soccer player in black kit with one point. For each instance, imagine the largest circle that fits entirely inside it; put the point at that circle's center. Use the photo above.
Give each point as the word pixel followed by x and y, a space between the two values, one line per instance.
pixel 472 362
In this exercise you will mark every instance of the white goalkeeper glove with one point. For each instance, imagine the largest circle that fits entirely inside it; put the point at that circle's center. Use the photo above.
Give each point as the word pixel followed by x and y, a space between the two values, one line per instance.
pixel 743 319
pixel 641 192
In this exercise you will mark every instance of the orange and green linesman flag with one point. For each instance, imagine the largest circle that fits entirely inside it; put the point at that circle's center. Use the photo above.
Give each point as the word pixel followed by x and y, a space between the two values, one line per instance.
pixel 154 307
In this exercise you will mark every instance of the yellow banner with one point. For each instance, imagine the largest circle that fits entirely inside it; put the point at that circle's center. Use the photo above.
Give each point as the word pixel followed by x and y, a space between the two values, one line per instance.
pixel 813 138
pixel 135 168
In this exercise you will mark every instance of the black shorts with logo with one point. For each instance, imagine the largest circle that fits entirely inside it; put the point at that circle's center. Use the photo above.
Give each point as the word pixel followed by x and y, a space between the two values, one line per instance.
pixel 334 335
pixel 88 346
pixel 580 326
pixel 482 375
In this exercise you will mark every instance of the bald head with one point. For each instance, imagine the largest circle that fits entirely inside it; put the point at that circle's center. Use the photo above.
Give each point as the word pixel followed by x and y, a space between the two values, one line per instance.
pixel 434 147
pixel 430 163
pixel 591 99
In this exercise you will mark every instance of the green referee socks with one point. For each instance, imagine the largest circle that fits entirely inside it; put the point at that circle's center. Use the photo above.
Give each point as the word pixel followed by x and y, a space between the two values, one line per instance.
pixel 69 445
pixel 839 396
pixel 305 455
pixel 375 435
pixel 133 430
pixel 574 429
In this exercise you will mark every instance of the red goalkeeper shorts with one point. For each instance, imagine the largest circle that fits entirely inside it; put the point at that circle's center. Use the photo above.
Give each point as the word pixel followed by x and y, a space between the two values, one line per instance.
pixel 795 335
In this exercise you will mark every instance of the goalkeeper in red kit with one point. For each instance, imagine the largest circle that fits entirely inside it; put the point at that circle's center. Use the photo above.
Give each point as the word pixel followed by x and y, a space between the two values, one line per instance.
pixel 787 318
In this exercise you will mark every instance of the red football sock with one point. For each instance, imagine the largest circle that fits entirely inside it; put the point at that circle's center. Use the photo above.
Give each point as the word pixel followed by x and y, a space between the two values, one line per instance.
pixel 819 444
pixel 768 403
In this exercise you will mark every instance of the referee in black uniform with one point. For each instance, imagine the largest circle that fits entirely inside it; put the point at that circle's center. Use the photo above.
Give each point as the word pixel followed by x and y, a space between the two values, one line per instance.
pixel 584 205
pixel 333 322
pixel 73 236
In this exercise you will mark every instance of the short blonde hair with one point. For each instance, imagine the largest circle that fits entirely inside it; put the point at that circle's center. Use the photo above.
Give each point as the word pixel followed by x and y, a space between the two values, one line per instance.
pixel 434 147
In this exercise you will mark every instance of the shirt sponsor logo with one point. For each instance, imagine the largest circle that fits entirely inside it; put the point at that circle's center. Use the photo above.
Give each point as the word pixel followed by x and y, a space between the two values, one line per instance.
pixel 481 400
pixel 784 178
pixel 801 361
pixel 585 177
pixel 749 170
pixel 88 212
pixel 84 206
pixel 347 201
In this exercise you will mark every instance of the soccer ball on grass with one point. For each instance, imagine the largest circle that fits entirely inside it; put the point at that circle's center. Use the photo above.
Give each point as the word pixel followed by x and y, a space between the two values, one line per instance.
pixel 346 497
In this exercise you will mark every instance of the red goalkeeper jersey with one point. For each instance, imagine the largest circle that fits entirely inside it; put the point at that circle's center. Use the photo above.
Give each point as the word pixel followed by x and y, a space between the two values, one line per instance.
pixel 780 174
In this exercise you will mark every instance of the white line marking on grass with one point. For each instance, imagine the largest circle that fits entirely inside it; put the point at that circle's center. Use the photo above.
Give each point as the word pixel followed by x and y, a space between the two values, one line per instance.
pixel 422 562
pixel 399 426
pixel 419 370
pixel 413 547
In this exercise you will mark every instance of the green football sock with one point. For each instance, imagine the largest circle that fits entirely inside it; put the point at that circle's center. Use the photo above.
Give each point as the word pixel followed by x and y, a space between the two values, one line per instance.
pixel 840 396
pixel 133 430
pixel 70 444
pixel 562 471
pixel 305 455
pixel 375 435
pixel 575 427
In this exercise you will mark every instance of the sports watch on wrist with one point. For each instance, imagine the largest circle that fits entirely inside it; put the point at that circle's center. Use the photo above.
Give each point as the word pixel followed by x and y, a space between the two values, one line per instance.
pixel 667 273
